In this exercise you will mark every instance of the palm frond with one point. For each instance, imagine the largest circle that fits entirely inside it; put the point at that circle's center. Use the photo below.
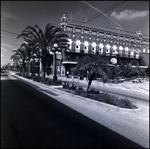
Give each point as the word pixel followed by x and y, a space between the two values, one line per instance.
pixel 40 32
pixel 34 32
pixel 47 30
pixel 54 32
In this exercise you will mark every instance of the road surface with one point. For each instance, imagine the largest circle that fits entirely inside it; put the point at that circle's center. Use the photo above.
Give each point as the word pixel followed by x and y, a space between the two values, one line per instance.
pixel 36 120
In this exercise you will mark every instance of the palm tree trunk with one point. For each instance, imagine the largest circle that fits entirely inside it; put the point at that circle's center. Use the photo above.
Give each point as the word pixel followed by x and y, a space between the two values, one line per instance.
pixel 43 68
pixel 23 68
pixel 89 83
pixel 43 73
pixel 29 68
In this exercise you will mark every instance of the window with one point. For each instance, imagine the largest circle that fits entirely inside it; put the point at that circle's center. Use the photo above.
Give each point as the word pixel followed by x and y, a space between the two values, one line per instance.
pixel 94 47
pixel 97 34
pixel 86 31
pixel 126 49
pixel 101 51
pixel 101 34
pixel 108 46
pixel 121 38
pixel 121 48
pixel 77 46
pixel 114 49
pixel 131 53
pixel 86 44
pixel 108 35
pixel 93 33
pixel 107 51
pixel 78 30
pixel 101 45
pixel 115 36
pixel 69 28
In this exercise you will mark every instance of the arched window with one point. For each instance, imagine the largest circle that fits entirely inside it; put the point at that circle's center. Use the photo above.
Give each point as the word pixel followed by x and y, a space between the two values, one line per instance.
pixel 114 49
pixel 131 53
pixel 86 44
pixel 94 47
pixel 126 51
pixel 107 48
pixel 120 50
pixel 101 46
pixel 77 46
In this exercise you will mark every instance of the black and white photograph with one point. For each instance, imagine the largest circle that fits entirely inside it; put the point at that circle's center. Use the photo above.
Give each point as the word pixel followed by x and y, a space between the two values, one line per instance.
pixel 74 74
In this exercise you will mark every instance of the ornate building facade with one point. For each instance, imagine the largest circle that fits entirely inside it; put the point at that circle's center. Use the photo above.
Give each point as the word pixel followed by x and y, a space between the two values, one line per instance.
pixel 128 47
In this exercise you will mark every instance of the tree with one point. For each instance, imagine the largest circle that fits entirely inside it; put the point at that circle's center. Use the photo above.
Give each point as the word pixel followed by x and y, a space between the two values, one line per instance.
pixel 95 64
pixel 20 55
pixel 42 41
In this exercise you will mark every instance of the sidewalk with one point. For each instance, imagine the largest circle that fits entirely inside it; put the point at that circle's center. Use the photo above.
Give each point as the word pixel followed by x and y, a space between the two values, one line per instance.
pixel 130 123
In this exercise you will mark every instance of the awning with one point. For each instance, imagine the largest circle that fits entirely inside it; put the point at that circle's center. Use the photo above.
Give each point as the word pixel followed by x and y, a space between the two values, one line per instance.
pixel 69 62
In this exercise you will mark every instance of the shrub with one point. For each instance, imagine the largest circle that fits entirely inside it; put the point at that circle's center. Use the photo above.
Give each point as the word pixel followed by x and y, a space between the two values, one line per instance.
pixel 79 88
pixel 65 85
pixel 49 81
pixel 37 78
pixel 94 91
pixel 102 97
pixel 59 82
pixel 73 86
pixel 126 103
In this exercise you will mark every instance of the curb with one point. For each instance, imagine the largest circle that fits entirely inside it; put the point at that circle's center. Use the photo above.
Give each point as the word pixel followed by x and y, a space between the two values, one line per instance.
pixel 54 95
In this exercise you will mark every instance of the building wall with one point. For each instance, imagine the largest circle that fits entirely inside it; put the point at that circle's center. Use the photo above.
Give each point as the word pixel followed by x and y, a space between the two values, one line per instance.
pixel 90 40
pixel 85 40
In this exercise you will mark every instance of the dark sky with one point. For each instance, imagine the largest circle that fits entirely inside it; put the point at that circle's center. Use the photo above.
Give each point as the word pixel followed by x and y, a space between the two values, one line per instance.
pixel 16 15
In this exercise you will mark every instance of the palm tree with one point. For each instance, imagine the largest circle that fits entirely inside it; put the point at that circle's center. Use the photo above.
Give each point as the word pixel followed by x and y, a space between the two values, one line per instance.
pixel 42 41
pixel 20 55
pixel 95 64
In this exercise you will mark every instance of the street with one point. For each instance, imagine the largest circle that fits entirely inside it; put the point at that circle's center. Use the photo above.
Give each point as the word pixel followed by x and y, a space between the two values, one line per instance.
pixel 39 121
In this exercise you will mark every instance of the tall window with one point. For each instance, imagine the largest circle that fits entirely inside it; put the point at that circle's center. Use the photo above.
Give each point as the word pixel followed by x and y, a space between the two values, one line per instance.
pixel 86 44
pixel 77 46
pixel 107 48
pixel 94 47
pixel 126 51
pixel 120 50
pixel 132 53
pixel 101 46
pixel 137 54
pixel 114 50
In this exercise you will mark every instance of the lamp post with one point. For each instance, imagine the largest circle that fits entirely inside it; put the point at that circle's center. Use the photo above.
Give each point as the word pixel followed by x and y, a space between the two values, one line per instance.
pixel 55 66
pixel 33 64
pixel 34 58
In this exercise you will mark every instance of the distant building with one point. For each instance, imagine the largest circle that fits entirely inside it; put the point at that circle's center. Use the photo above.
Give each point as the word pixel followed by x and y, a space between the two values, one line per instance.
pixel 84 39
